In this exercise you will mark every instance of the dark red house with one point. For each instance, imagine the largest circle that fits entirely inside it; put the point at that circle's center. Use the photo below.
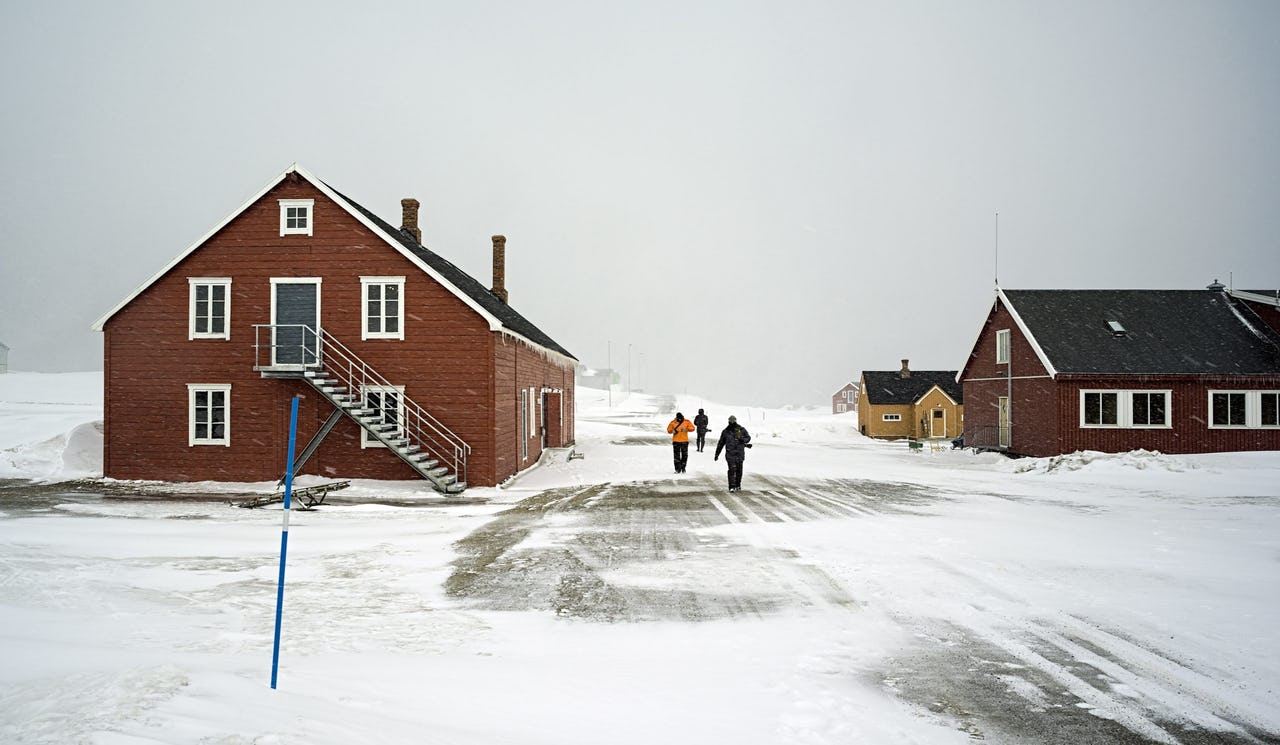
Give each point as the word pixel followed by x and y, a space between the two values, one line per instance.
pixel 1178 371
pixel 408 367
pixel 845 400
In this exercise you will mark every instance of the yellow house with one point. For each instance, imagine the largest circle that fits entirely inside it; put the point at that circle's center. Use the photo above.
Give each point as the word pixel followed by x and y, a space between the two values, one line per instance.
pixel 897 404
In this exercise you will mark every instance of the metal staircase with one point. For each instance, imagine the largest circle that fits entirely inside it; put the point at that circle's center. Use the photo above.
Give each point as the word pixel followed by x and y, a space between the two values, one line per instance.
pixel 343 379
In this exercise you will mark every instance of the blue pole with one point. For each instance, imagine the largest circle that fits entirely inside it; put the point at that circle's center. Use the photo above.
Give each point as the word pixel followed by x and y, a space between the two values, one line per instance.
pixel 284 538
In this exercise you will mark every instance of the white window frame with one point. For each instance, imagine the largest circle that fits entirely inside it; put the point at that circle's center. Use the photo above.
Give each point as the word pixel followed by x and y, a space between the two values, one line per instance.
pixel 309 205
pixel 383 282
pixel 524 424
pixel 1124 408
pixel 1002 346
pixel 841 408
pixel 1252 409
pixel 367 440
pixel 890 417
pixel 192 390
pixel 849 396
pixel 211 282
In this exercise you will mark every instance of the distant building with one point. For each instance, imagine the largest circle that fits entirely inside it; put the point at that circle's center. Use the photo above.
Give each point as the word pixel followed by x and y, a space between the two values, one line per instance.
pixel 589 378
pixel 897 404
pixel 4 358
pixel 1178 371
pixel 845 400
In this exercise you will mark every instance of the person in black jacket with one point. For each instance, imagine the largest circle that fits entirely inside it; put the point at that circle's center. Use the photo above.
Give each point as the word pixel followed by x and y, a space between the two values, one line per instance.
pixel 702 423
pixel 734 441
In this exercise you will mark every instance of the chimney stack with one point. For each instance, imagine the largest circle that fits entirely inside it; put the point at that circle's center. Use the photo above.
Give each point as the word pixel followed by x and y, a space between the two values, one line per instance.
pixel 904 372
pixel 409 218
pixel 500 267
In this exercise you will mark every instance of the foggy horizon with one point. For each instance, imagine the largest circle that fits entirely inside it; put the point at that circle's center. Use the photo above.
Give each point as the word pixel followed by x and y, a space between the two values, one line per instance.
pixel 760 201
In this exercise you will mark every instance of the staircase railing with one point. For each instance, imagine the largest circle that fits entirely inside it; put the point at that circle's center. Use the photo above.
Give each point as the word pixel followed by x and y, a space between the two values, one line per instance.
pixel 415 423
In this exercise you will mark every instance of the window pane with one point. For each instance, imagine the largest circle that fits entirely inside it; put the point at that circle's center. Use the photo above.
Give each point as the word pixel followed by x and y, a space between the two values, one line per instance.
pixel 1109 408
pixel 393 293
pixel 1237 408
pixel 1092 408
pixel 375 293
pixel 202 292
pixel 1141 408
pixel 1158 408
pixel 219 431
pixel 1271 409
pixel 393 324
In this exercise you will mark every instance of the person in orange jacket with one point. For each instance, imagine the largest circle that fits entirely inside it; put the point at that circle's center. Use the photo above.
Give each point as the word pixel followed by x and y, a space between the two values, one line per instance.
pixel 679 429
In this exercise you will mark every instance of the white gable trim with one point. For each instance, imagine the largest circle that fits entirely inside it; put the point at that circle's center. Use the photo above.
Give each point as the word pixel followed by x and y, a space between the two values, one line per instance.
pixel 1026 332
pixel 1022 326
pixel 1255 297
pixel 938 388
pixel 494 323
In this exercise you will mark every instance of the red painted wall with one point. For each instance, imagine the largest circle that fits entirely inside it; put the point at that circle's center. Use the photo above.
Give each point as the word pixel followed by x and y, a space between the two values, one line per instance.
pixel 447 361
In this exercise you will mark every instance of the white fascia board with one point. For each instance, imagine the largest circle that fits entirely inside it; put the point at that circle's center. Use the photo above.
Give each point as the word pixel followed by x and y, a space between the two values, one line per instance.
pixel 1255 297
pixel 98 324
pixel 494 323
pixel 1026 333
pixel 938 388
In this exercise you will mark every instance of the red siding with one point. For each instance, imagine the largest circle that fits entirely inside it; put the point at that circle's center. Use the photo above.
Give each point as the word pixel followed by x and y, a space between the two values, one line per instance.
pixel 446 361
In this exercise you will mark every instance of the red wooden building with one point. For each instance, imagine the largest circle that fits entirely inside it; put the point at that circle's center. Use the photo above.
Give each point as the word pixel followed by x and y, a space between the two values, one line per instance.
pixel 408 367
pixel 845 400
pixel 1178 371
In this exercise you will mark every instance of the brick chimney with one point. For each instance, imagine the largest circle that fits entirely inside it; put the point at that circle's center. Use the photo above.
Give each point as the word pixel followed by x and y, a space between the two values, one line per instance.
pixel 409 218
pixel 500 267
pixel 905 372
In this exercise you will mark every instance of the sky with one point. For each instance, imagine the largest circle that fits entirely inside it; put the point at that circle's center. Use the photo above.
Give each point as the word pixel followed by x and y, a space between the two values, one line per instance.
pixel 751 201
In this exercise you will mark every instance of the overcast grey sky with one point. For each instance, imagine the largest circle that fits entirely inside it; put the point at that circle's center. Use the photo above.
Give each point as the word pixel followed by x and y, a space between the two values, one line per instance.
pixel 761 198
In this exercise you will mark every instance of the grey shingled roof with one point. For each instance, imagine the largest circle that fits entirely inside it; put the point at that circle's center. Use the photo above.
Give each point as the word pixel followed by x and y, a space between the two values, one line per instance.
pixel 465 283
pixel 1166 332
pixel 888 387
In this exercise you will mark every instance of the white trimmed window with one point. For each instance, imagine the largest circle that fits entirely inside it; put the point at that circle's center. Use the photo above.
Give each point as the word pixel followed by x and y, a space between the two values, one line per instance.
pixel 296 216
pixel 209 414
pixel 891 417
pixel 387 406
pixel 382 314
pixel 210 308
pixel 841 408
pixel 1244 409
pixel 1125 409
pixel 1002 346
pixel 524 424
pixel 848 396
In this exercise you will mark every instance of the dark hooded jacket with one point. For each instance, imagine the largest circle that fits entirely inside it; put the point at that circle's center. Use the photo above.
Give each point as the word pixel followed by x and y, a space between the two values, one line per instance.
pixel 734 441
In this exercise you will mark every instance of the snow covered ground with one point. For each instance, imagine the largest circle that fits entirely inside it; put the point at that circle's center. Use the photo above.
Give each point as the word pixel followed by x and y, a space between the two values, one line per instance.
pixel 853 592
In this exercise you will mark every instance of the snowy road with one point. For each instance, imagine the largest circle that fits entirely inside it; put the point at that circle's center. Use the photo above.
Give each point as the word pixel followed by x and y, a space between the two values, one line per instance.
pixel 1004 669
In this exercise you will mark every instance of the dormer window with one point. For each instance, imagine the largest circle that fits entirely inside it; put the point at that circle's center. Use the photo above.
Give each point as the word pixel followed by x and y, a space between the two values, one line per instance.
pixel 296 216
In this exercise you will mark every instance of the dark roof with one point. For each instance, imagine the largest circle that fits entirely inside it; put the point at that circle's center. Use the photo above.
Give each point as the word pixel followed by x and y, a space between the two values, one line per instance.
pixel 888 387
pixel 465 283
pixel 1166 332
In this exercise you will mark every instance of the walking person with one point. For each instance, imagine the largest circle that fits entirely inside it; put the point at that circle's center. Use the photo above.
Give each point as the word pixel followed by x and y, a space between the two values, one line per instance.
pixel 734 441
pixel 679 429
pixel 702 423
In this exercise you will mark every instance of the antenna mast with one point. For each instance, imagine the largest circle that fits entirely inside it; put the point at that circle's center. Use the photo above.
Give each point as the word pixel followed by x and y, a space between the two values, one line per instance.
pixel 997 266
